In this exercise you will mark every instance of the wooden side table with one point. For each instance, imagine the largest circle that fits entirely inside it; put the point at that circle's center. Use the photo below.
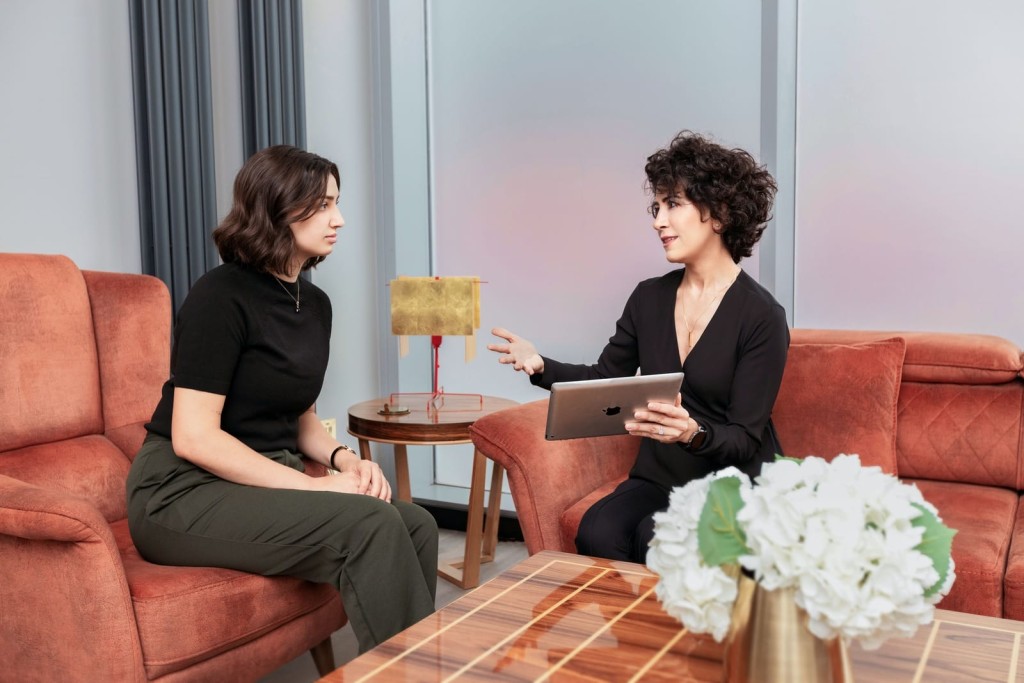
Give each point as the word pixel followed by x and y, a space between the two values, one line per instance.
pixel 425 426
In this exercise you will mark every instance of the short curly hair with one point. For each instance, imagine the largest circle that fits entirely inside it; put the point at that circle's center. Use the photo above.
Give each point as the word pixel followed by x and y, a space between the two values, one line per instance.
pixel 277 186
pixel 727 184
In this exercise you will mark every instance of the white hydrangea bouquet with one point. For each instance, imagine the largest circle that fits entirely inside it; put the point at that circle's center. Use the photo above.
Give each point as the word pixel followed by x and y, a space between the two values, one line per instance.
pixel 867 556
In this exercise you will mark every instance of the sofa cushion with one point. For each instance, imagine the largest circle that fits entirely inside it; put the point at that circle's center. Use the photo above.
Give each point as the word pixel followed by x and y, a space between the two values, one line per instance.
pixel 91 467
pixel 983 517
pixel 247 607
pixel 1013 580
pixel 131 377
pixel 937 357
pixel 49 374
pixel 841 398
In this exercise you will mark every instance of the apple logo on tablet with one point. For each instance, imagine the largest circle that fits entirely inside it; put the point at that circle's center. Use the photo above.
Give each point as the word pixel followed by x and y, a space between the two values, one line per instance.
pixel 611 410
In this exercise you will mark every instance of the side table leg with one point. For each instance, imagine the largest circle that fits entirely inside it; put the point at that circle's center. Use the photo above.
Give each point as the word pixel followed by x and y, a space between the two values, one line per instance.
pixel 493 514
pixel 364 449
pixel 474 523
pixel 402 473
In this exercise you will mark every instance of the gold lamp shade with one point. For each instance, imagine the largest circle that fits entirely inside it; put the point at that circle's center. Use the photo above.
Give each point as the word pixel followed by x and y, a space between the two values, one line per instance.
pixel 435 307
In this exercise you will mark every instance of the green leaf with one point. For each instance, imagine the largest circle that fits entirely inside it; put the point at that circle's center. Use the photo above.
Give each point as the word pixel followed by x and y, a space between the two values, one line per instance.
pixel 719 536
pixel 779 456
pixel 936 544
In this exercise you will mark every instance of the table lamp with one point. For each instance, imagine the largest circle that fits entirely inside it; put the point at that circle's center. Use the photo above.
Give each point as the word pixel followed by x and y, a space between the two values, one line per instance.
pixel 435 307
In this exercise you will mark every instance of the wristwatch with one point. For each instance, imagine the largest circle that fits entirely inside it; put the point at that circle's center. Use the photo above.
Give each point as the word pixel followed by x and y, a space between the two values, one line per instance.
pixel 698 437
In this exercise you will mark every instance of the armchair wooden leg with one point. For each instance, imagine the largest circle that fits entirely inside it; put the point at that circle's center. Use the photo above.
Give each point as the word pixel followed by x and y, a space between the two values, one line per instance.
pixel 323 657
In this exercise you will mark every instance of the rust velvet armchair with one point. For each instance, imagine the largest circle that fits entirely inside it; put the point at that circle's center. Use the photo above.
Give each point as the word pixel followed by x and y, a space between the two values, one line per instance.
pixel 82 358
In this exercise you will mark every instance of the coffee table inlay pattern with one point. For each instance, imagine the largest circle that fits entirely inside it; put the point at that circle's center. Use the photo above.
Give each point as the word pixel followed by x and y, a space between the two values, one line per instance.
pixel 425 425
pixel 561 617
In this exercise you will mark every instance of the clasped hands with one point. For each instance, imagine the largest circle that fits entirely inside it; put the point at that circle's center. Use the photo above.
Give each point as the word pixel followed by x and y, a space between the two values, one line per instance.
pixel 357 476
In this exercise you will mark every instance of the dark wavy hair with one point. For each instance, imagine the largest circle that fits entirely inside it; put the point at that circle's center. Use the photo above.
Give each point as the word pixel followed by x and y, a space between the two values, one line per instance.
pixel 277 186
pixel 726 184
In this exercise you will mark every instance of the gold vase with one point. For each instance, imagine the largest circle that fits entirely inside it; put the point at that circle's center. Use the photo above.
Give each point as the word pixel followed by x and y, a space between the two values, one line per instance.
pixel 768 642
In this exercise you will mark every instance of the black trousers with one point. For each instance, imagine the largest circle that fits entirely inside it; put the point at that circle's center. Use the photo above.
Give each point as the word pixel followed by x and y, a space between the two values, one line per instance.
pixel 620 526
pixel 381 556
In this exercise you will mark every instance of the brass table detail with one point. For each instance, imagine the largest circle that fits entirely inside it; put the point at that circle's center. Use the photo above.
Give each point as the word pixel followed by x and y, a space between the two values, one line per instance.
pixel 427 426
pixel 561 617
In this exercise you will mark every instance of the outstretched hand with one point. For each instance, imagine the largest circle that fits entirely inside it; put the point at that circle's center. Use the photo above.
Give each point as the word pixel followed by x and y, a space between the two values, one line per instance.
pixel 518 352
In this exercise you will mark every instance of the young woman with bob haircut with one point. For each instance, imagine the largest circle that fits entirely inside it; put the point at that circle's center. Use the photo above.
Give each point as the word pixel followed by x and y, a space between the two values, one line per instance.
pixel 219 480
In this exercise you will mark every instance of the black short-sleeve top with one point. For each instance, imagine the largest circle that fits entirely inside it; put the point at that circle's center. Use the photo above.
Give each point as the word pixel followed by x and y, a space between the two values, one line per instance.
pixel 731 375
pixel 238 335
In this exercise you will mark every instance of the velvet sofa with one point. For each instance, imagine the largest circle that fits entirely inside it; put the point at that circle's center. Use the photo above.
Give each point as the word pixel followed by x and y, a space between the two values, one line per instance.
pixel 82 358
pixel 941 410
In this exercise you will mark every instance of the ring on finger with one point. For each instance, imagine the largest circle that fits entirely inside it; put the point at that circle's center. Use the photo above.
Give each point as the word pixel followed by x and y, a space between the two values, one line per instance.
pixel 661 431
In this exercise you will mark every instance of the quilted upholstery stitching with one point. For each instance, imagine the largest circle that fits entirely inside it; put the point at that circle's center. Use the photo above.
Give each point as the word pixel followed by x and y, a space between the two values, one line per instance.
pixel 913 392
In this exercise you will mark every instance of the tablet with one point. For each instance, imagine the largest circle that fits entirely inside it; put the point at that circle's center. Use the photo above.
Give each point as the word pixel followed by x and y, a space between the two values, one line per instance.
pixel 601 407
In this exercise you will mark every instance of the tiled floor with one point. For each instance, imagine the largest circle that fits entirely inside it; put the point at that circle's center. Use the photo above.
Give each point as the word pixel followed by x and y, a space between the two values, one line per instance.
pixel 301 669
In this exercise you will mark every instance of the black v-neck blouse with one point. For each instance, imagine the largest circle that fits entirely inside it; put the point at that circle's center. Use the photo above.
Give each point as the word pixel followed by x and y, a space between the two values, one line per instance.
pixel 732 375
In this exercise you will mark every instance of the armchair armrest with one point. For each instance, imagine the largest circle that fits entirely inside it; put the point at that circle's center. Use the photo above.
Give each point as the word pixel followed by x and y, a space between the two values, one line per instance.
pixel 65 607
pixel 546 477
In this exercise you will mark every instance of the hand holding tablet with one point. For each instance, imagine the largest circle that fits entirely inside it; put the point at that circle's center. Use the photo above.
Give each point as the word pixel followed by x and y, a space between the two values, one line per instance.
pixel 602 407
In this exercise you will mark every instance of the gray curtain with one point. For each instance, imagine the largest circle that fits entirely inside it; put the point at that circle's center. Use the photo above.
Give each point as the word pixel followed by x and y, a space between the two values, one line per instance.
pixel 273 92
pixel 174 140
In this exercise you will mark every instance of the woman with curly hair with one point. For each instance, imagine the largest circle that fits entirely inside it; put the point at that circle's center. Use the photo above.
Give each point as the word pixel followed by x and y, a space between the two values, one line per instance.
pixel 708 319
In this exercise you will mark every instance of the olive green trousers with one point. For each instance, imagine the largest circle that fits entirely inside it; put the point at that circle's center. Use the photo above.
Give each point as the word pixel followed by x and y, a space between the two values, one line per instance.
pixel 381 556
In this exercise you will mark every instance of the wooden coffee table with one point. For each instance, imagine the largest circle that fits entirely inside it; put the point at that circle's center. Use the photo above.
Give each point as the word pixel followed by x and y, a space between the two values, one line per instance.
pixel 561 617
pixel 436 424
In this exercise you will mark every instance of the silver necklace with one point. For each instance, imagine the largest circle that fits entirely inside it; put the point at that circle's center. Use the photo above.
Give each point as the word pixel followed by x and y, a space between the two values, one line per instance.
pixel 691 327
pixel 298 291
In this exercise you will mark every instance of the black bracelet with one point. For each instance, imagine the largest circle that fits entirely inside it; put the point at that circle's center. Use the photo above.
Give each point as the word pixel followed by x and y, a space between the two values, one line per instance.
pixel 335 452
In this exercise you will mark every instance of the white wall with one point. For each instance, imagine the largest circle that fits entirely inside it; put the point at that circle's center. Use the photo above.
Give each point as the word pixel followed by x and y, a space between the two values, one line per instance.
pixel 910 166
pixel 67 133
pixel 339 127
pixel 542 123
